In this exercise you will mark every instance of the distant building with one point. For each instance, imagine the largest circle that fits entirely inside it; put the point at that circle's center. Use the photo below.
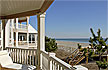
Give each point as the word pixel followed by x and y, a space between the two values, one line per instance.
pixel 20 34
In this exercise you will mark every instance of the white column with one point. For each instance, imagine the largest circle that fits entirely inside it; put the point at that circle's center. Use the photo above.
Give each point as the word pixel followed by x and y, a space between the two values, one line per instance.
pixel 3 34
pixel 42 32
pixel 12 32
pixel 7 32
pixel 41 38
pixel 27 30
pixel 16 32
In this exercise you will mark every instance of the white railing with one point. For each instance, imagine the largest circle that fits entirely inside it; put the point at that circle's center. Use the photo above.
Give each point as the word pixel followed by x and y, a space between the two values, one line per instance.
pixel 51 62
pixel 23 55
pixel 21 26
pixel 22 43
pixel 33 43
pixel 29 57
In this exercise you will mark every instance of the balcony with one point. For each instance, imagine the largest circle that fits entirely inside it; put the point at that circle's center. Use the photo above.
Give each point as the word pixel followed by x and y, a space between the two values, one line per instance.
pixel 21 27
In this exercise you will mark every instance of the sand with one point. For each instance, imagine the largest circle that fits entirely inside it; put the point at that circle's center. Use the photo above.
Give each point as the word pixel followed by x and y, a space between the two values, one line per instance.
pixel 71 44
pixel 65 48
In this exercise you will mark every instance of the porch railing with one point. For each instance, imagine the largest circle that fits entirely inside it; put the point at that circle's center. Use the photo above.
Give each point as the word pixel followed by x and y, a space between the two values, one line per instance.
pixel 54 63
pixel 23 55
pixel 29 57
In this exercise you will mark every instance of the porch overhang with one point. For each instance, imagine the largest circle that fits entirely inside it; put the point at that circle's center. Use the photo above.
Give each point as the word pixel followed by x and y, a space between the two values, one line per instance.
pixel 21 8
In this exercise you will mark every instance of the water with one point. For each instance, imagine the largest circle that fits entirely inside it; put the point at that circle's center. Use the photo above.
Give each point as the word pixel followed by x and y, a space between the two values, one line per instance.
pixel 80 40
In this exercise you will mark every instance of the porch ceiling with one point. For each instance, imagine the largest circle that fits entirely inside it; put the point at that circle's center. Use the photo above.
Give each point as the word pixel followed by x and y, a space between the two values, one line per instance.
pixel 21 8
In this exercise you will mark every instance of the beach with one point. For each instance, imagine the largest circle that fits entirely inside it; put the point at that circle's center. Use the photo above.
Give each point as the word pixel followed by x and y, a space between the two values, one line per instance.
pixel 65 48
pixel 71 44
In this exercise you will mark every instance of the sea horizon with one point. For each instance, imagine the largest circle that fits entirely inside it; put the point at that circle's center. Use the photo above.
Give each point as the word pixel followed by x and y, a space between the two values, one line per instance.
pixel 80 40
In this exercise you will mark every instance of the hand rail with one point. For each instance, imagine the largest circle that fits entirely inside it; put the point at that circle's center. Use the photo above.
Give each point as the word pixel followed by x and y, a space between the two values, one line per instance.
pixel 56 62
pixel 61 63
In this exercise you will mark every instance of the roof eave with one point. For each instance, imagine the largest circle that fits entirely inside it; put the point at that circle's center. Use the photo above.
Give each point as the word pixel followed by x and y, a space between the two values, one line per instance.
pixel 44 7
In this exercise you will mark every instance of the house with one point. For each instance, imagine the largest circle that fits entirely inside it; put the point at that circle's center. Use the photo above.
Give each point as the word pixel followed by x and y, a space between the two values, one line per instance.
pixel 21 34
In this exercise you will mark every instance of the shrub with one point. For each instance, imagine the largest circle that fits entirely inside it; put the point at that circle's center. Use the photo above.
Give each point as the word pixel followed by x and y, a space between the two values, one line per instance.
pixel 97 42
pixel 102 64
pixel 50 44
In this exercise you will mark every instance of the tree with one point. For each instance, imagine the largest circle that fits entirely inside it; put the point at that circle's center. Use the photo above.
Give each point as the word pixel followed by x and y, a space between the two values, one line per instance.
pixel 98 43
pixel 50 44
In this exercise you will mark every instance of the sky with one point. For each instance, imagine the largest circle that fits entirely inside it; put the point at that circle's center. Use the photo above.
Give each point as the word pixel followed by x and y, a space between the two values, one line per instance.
pixel 74 18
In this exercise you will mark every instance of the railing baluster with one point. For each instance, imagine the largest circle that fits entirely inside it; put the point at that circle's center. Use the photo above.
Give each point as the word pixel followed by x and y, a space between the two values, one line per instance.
pixel 16 55
pixel 52 65
pixel 26 56
pixel 12 54
pixel 35 58
pixel 55 66
pixel 21 56
pixel 32 57
pixel 63 68
pixel 59 67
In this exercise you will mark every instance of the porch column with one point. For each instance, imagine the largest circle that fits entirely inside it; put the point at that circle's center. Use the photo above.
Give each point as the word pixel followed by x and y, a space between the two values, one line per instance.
pixel 41 38
pixel 7 32
pixel 16 32
pixel 12 32
pixel 3 34
pixel 27 30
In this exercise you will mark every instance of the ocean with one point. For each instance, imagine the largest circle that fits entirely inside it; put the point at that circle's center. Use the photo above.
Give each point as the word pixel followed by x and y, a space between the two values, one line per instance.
pixel 80 40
